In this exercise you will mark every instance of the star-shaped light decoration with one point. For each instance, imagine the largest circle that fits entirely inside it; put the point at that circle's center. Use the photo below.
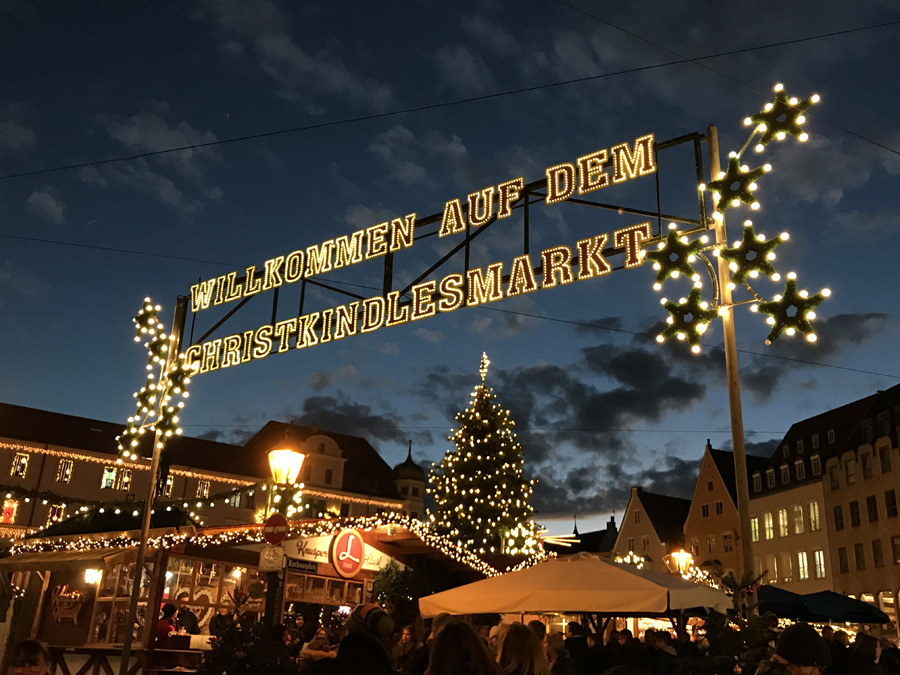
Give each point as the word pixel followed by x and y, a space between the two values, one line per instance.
pixel 781 118
pixel 485 363
pixel 674 257
pixel 145 322
pixel 752 254
pixel 736 184
pixel 681 326
pixel 779 310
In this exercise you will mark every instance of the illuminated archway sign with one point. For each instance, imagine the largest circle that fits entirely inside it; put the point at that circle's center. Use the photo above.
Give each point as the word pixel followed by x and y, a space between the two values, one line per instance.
pixel 348 553
pixel 590 172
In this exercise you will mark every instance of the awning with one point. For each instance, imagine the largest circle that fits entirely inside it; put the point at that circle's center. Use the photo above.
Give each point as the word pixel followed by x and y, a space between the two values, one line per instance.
pixel 59 560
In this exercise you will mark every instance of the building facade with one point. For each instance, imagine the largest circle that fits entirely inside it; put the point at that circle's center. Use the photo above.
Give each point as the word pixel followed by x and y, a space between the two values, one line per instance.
pixel 652 527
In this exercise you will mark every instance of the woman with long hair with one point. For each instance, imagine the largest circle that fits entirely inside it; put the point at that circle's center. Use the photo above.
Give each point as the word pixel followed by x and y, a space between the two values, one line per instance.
pixel 866 654
pixel 521 653
pixel 459 650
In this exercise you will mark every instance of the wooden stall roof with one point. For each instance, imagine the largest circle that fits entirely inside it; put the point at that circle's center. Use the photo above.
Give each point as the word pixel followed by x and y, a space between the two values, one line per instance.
pixel 58 560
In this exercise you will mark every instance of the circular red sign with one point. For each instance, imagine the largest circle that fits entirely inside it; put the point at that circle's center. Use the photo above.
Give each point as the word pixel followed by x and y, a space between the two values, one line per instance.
pixel 275 529
pixel 348 553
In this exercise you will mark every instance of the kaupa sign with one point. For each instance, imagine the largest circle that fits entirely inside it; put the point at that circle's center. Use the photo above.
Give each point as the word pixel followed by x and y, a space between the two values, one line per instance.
pixel 590 172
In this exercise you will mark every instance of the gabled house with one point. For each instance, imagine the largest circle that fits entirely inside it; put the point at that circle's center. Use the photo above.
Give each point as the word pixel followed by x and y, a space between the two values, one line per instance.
pixel 653 526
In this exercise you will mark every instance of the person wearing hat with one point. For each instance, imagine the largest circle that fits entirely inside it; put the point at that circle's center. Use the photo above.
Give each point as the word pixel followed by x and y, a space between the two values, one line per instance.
pixel 363 650
pixel 800 650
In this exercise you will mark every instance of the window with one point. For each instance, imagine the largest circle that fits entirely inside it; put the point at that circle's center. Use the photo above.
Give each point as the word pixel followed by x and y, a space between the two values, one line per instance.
pixel 884 453
pixel 800 469
pixel 838 518
pixel 786 574
pixel 872 508
pixel 415 492
pixel 854 513
pixel 631 543
pixel 798 518
pixel 868 430
pixel 883 424
pixel 814 524
pixel 19 465
pixel 799 446
pixel 895 547
pixel 815 441
pixel 64 471
pixel 819 559
pixel 831 435
pixel 785 450
pixel 802 566
pixel 695 546
pixel 321 447
pixel 859 552
pixel 637 517
pixel 785 473
pixel 203 489
pixel 720 508
pixel 769 527
pixel 307 473
pixel 868 466
pixel 404 490
pixel 850 468
pixel 815 463
pixel 345 510
pixel 783 523
pixel 843 563
pixel 834 477
pixel 770 477
pixel 108 481
pixel 711 544
pixel 890 503
pixel 123 479
pixel 645 543
pixel 704 510
pixel 772 568
pixel 757 482
pixel 754 529
pixel 234 500
pixel 55 513
pixel 167 489
pixel 10 509
pixel 727 542
pixel 709 486
pixel 329 475
pixel 877 553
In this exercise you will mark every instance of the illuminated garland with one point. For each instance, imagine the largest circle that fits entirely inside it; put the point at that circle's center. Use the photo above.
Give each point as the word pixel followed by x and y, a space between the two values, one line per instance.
pixel 479 488
pixel 630 558
pixel 748 258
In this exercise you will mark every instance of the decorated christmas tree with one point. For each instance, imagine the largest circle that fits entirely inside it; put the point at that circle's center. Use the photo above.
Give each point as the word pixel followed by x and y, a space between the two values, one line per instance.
pixel 479 488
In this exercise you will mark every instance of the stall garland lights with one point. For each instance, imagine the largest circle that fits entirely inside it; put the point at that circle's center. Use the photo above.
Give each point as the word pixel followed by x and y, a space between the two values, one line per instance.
pixel 750 257
pixel 157 410
pixel 630 558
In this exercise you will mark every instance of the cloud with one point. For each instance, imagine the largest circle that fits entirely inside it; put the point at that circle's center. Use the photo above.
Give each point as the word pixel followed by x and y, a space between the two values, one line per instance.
pixel 45 203
pixel 463 71
pixel 15 133
pixel 856 222
pixel 397 149
pixel 433 336
pixel 326 378
pixel 16 280
pixel 140 176
pixel 490 35
pixel 261 29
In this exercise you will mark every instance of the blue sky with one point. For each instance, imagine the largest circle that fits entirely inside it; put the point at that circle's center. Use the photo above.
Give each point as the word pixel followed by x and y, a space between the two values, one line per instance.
pixel 599 405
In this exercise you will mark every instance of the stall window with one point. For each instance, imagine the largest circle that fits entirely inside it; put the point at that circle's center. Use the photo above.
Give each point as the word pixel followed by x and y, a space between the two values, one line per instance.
pixel 10 508
pixel 109 621
pixel 108 482
pixel 56 513
pixel 19 465
pixel 64 471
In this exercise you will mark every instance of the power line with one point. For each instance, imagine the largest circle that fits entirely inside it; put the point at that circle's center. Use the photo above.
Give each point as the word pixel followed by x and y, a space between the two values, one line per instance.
pixel 463 101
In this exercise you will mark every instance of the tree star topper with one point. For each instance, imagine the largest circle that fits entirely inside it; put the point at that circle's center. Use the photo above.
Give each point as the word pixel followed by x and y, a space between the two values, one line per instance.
pixel 736 184
pixel 673 257
pixel 782 117
pixel 743 264
pixel 779 311
pixel 684 328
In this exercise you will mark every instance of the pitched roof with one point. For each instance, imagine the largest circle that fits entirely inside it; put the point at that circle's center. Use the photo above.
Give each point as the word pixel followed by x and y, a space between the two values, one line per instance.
pixel 666 513
pixel 724 461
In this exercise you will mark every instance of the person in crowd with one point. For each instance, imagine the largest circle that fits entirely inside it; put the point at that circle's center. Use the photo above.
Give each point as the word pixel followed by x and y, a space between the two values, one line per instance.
pixel 458 650
pixel 405 649
pixel 418 664
pixel 315 650
pixel 561 661
pixel 520 652
pixel 292 642
pixel 298 623
pixel 185 619
pixel 890 657
pixel 800 650
pixel 839 648
pixel 539 628
pixel 363 649
pixel 220 622
pixel 663 657
pixel 484 632
pixel 576 642
pixel 283 662
pixel 496 636
pixel 827 633
pixel 165 625
pixel 866 655
pixel 597 656
pixel 29 657
pixel 632 652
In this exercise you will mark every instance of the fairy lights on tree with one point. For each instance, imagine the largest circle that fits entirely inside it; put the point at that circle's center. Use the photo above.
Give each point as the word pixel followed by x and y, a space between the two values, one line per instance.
pixel 481 494
pixel 789 312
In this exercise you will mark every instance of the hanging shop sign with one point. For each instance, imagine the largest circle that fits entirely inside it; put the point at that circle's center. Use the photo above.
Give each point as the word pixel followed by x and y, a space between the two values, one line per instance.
pixel 593 171
pixel 348 553
pixel 67 603
pixel 319 549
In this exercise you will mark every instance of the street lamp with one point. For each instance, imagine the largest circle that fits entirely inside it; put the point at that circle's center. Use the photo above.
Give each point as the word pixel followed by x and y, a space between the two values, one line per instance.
pixel 678 561
pixel 285 463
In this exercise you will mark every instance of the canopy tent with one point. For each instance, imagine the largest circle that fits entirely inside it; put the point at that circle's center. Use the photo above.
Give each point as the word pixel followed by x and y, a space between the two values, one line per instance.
pixel 782 603
pixel 582 583
pixel 831 606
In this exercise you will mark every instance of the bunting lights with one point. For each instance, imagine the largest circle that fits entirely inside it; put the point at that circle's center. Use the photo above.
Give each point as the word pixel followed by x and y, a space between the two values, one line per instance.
pixel 789 313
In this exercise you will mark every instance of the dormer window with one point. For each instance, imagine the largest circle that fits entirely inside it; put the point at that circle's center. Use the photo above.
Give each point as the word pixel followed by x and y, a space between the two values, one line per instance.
pixel 757 482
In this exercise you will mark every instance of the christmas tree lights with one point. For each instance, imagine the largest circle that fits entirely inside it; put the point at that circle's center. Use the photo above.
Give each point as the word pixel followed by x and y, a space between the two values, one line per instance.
pixel 481 493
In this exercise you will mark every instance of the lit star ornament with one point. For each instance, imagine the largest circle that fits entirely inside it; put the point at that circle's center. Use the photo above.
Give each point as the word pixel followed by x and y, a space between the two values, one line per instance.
pixel 781 118
pixel 674 257
pixel 736 184
pixel 752 255
pixel 688 319
pixel 779 310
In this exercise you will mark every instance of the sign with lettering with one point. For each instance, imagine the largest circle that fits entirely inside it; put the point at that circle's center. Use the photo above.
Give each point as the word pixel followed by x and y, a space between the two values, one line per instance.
pixel 316 550
pixel 348 553
pixel 302 566
pixel 66 604
pixel 593 171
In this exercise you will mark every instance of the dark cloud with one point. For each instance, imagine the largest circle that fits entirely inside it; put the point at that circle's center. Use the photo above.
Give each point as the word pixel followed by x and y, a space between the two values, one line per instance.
pixel 764 448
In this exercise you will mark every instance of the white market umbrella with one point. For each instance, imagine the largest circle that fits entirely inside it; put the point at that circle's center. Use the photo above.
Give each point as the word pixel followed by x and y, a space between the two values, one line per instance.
pixel 581 583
